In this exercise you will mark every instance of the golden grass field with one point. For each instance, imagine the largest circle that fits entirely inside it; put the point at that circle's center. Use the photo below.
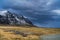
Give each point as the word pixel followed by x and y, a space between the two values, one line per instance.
pixel 25 32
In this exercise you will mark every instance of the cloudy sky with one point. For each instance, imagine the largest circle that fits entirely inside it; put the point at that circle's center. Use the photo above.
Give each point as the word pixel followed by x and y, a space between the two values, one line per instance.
pixel 45 13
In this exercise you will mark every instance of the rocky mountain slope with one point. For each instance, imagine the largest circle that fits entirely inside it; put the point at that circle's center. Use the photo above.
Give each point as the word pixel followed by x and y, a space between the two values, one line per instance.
pixel 7 17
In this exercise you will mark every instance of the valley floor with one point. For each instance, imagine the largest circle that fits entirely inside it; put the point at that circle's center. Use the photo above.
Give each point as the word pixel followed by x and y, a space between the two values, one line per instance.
pixel 25 32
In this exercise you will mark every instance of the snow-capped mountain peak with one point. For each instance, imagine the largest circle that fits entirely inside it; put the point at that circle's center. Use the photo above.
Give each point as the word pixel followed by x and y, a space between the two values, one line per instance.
pixel 3 12
pixel 6 17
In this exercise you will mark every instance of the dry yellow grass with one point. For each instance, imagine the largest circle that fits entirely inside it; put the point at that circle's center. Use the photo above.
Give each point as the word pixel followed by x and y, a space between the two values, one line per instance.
pixel 25 33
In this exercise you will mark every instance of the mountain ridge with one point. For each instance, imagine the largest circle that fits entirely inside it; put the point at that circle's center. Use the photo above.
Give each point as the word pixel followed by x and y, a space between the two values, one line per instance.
pixel 6 17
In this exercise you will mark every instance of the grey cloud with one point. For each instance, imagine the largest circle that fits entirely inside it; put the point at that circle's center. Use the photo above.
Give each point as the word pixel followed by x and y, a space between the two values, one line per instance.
pixel 33 4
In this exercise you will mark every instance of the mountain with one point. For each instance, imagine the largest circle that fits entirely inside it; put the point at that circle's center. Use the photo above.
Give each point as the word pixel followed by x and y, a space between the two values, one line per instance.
pixel 7 17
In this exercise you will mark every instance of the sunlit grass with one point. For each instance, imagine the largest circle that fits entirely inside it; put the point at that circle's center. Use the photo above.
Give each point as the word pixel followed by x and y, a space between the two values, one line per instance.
pixel 25 32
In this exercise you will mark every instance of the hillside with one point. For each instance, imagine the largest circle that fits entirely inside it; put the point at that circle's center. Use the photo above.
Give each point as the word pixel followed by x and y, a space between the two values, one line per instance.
pixel 25 32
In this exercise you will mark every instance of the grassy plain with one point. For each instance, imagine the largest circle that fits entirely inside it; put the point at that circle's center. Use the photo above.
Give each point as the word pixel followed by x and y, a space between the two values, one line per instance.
pixel 25 32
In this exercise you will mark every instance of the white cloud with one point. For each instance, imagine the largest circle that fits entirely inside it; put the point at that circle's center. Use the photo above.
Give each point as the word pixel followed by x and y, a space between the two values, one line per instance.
pixel 56 11
pixel 50 2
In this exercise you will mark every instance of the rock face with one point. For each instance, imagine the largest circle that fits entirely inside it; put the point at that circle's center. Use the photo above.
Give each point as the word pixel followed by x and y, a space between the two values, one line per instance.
pixel 7 17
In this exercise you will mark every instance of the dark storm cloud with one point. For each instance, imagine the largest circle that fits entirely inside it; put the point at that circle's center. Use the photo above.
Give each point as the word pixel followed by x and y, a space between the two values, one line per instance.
pixel 32 4
pixel 41 11
pixel 31 7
